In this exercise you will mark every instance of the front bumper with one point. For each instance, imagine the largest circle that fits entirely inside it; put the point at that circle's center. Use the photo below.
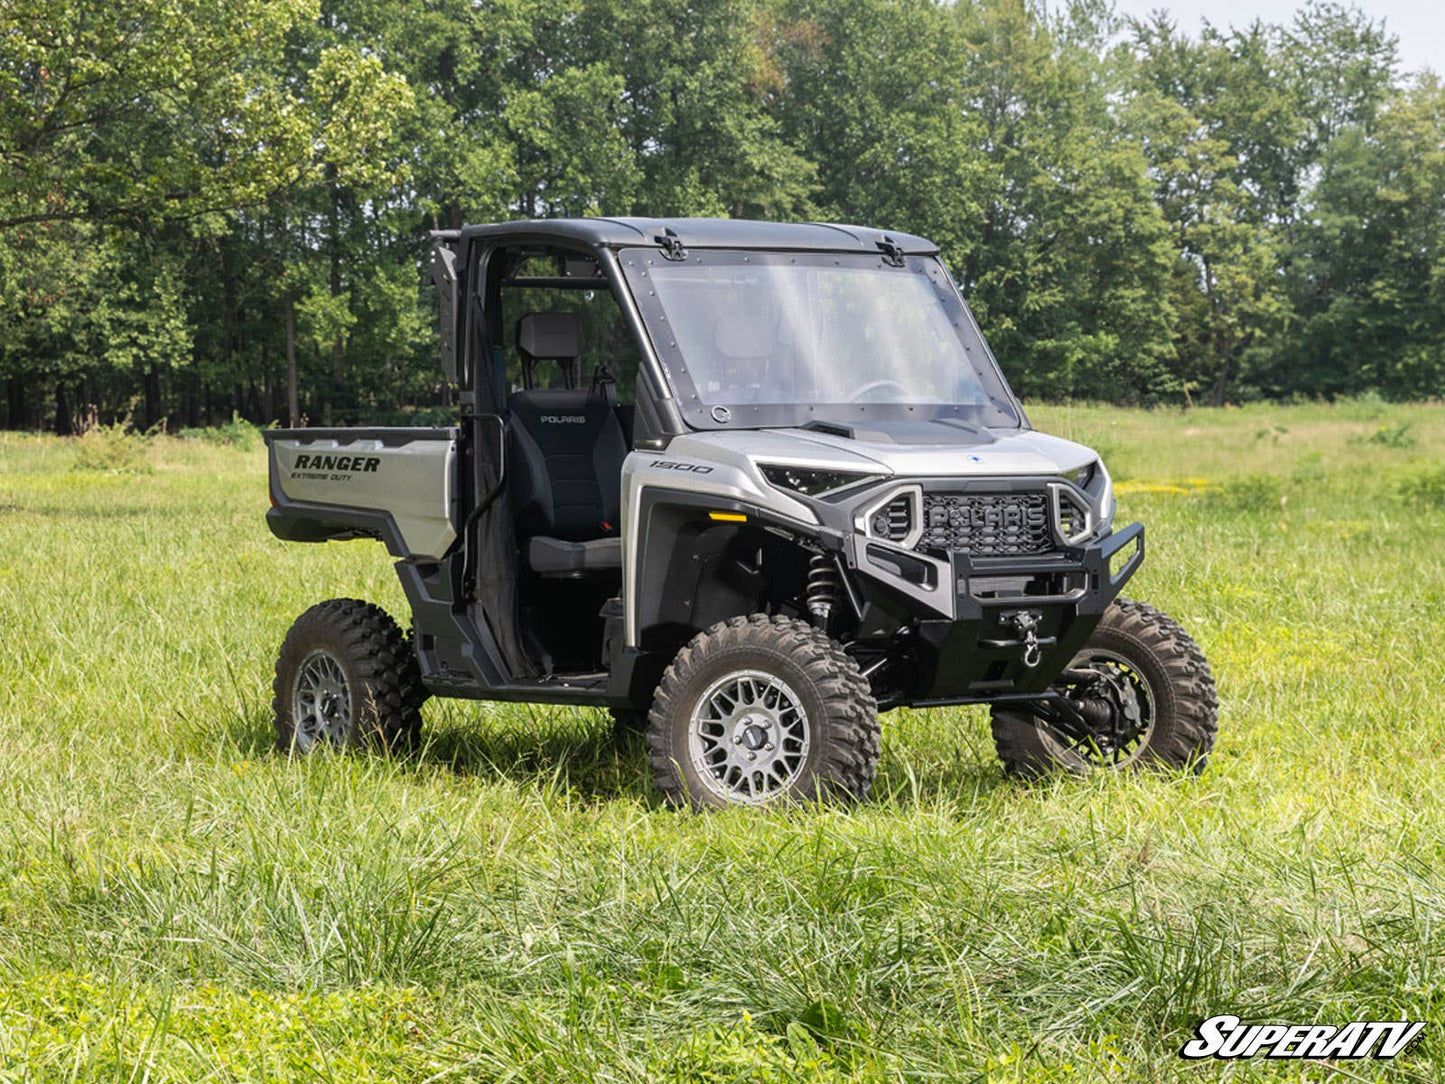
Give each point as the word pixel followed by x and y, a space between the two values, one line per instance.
pixel 1005 613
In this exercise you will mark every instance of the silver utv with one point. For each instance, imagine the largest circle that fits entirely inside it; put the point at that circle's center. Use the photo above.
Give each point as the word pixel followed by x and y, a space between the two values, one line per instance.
pixel 746 485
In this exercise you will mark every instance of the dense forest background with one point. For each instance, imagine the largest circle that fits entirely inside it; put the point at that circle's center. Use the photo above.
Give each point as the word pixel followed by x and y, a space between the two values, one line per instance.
pixel 200 199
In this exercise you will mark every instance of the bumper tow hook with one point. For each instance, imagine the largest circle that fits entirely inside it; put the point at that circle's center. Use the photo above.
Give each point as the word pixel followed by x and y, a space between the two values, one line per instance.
pixel 1032 654
pixel 1024 624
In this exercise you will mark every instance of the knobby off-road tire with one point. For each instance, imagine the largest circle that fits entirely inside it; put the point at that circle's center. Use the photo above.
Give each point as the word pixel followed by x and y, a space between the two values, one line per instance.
pixel 760 711
pixel 1178 691
pixel 346 677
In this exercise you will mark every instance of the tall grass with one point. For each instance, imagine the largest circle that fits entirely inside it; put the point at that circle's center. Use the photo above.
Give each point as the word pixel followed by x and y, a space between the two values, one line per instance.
pixel 178 904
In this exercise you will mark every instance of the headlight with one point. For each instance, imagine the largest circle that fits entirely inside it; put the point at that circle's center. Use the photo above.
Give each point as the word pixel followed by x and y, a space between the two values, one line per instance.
pixel 1084 475
pixel 810 482
pixel 1093 478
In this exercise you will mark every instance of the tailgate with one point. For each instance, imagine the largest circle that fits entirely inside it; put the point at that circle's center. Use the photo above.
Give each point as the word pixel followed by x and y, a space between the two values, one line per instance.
pixel 398 485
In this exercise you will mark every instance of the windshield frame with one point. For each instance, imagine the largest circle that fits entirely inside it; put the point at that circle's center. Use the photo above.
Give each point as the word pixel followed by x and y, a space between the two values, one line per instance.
pixel 1003 411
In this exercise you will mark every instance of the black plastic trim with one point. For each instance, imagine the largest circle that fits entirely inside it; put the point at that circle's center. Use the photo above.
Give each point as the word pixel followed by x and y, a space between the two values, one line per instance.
pixel 296 521
pixel 389 436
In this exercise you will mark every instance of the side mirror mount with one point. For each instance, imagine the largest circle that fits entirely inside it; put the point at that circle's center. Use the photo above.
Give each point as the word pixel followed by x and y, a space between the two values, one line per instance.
pixel 444 276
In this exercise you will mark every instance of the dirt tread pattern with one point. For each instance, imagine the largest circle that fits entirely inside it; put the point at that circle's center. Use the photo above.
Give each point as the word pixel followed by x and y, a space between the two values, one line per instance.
pixel 378 657
pixel 848 731
pixel 1187 707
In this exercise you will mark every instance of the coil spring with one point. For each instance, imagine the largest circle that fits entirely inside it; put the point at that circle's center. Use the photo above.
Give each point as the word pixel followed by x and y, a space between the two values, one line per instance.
pixel 822 589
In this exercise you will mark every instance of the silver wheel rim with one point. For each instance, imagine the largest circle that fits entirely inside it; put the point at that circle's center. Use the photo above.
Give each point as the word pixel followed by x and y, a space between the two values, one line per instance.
pixel 1134 687
pixel 748 737
pixel 321 702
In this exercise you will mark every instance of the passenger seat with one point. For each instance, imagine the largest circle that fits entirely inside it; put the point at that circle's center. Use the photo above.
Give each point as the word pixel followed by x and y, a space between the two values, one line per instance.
pixel 565 456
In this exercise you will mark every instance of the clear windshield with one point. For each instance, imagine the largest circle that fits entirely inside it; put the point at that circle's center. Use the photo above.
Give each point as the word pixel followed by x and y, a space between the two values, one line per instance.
pixel 779 339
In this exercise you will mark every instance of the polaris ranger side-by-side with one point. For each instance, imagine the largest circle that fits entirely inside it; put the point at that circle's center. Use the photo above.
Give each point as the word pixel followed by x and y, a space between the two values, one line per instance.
pixel 746 484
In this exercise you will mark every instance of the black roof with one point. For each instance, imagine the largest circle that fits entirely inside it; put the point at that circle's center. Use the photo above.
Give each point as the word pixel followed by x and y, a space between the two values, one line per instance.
pixel 699 233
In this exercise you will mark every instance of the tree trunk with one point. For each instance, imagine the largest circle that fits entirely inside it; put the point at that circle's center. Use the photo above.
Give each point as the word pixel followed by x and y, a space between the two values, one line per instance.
pixel 228 307
pixel 293 395
pixel 1221 385
pixel 15 403
pixel 193 391
pixel 64 423
pixel 386 367
pixel 1221 345
pixel 268 394
pixel 152 399
pixel 338 374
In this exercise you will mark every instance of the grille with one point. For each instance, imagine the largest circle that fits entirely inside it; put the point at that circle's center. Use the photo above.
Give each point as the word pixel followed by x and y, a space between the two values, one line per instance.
pixel 987 524
pixel 895 520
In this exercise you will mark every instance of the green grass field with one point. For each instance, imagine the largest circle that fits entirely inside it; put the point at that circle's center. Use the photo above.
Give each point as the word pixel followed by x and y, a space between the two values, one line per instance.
pixel 177 903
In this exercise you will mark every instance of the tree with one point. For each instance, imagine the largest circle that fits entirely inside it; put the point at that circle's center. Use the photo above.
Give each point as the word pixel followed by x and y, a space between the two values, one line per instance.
pixel 1370 271
pixel 1222 210
pixel 241 191
pixel 143 111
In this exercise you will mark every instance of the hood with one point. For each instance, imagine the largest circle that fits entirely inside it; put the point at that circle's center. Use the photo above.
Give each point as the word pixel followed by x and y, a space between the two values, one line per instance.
pixel 946 447
pixel 734 459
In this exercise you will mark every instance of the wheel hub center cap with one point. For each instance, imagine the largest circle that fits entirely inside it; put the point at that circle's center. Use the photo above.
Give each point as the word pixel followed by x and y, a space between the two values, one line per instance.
pixel 754 736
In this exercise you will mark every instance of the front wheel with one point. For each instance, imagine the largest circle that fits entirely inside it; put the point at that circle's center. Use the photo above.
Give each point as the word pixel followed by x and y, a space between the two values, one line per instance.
pixel 1139 693
pixel 346 676
pixel 762 711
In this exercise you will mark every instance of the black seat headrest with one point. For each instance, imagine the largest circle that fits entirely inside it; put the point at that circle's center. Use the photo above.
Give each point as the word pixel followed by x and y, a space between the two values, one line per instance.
pixel 550 336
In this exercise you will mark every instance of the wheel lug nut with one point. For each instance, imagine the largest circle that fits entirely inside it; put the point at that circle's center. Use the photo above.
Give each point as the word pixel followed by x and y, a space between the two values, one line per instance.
pixel 768 748
pixel 737 739
pixel 752 756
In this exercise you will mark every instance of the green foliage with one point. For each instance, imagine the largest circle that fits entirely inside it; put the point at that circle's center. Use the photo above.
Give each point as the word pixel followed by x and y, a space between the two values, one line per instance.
pixel 1376 247
pixel 1259 494
pixel 1138 212
pixel 113 449
pixel 237 433
pixel 145 110
pixel 1390 436
pixel 1425 487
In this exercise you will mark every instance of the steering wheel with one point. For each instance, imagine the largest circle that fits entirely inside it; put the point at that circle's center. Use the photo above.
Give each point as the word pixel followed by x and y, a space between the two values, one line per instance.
pixel 875 385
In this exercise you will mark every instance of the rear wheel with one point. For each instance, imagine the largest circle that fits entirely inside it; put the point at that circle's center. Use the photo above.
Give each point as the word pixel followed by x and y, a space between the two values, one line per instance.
pixel 1139 693
pixel 762 711
pixel 346 676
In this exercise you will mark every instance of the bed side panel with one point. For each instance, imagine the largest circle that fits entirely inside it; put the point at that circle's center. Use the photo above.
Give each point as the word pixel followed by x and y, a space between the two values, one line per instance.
pixel 396 484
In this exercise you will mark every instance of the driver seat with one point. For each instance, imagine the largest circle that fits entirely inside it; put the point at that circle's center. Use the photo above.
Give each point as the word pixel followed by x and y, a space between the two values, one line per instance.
pixel 565 453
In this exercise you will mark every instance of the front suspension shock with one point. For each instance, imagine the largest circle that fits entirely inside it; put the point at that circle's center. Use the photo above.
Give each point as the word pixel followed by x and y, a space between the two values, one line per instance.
pixel 822 589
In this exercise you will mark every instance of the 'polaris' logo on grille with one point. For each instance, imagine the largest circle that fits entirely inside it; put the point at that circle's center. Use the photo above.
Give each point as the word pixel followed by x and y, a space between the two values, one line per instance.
pixel 365 463
pixel 995 515
pixel 565 419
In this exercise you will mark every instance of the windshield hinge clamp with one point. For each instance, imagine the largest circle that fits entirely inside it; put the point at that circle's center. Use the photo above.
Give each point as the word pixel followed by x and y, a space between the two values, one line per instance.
pixel 671 245
pixel 892 254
